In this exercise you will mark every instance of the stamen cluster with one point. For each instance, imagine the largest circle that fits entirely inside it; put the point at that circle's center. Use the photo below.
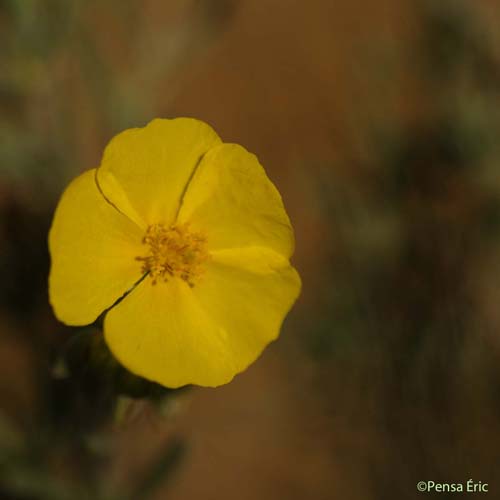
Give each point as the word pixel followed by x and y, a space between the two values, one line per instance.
pixel 174 251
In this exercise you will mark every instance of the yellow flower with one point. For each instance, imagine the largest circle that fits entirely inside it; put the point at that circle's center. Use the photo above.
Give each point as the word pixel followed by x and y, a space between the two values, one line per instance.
pixel 185 243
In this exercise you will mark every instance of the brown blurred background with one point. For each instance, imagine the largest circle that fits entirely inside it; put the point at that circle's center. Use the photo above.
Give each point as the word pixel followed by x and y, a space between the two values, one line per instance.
pixel 379 123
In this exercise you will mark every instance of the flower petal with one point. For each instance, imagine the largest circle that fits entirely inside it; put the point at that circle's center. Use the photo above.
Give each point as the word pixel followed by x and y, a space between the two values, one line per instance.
pixel 176 335
pixel 145 171
pixel 161 333
pixel 231 196
pixel 92 248
pixel 248 292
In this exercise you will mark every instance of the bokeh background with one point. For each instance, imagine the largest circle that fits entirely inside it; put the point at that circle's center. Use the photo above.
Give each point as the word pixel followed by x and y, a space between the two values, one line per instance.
pixel 380 124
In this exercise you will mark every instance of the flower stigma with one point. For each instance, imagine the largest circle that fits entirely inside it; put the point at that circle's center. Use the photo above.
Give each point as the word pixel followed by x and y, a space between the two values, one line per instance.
pixel 174 252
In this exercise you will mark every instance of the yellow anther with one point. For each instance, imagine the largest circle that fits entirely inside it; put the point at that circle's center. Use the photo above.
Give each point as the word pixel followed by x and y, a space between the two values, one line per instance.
pixel 174 252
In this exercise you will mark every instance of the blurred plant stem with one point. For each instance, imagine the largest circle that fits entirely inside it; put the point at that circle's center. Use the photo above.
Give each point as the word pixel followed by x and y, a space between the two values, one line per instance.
pixel 160 471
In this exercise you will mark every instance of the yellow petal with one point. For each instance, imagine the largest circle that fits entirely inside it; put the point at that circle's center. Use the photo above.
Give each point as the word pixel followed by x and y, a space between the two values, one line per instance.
pixel 248 292
pixel 145 171
pixel 231 197
pixel 161 333
pixel 92 249
pixel 177 335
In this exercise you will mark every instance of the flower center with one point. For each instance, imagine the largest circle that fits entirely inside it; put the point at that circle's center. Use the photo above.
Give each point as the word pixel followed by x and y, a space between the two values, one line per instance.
pixel 174 251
